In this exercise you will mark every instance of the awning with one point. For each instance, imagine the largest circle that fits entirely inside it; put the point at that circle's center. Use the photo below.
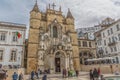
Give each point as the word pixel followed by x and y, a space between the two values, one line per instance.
pixel 99 59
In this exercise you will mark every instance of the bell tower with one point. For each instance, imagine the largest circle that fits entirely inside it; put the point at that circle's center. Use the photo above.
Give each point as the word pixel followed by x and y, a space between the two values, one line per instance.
pixel 35 17
pixel 70 27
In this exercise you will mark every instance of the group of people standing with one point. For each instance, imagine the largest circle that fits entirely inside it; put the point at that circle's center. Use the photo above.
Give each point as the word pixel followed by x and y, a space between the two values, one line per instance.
pixel 36 74
pixel 15 76
pixel 95 74
pixel 69 73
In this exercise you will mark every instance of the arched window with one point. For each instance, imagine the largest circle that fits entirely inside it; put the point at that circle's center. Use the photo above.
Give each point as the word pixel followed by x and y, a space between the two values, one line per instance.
pixel 55 34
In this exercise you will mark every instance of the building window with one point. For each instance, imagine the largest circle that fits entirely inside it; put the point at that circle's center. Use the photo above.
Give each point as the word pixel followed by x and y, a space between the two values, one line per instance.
pixel 81 61
pixel 103 35
pixel 1 55
pixel 109 40
pixel 113 39
pixel 80 54
pixel 13 55
pixel 90 44
pixel 106 50
pixel 79 43
pixel 104 42
pixel 115 49
pixel 111 30
pixel 117 26
pixel 119 37
pixel 55 35
pixel 108 32
pixel 15 38
pixel 2 36
pixel 111 49
pixel 84 44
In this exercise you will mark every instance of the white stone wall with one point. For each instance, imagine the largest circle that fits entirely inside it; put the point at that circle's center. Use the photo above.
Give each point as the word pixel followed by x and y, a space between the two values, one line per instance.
pixel 89 29
pixel 7 54
pixel 105 38
pixel 9 45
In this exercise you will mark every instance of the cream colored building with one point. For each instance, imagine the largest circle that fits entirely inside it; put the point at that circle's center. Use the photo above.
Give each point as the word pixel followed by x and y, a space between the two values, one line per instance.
pixel 52 42
pixel 11 45
pixel 87 48
pixel 110 42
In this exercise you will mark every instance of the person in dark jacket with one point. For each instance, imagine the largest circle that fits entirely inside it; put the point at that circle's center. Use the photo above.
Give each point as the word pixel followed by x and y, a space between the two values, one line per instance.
pixel 44 77
pixel 91 75
pixel 21 77
pixel 77 73
pixel 32 75
pixel 15 76
pixel 95 74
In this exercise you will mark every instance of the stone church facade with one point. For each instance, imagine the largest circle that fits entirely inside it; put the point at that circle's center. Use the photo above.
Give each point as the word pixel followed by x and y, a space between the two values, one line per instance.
pixel 52 42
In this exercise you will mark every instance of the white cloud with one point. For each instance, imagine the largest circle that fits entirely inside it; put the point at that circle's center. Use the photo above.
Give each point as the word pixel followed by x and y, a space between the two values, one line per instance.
pixel 90 12
pixel 86 12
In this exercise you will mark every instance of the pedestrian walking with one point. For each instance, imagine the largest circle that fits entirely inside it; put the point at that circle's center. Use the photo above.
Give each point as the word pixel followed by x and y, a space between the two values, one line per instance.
pixel 99 72
pixel 63 73
pixel 91 74
pixel 36 73
pixel 95 74
pixel 39 72
pixel 68 73
pixel 32 75
pixel 15 76
pixel 77 73
pixel 21 77
pixel 44 77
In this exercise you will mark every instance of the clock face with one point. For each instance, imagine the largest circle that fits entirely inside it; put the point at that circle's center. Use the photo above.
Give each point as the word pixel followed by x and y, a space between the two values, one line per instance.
pixel 91 36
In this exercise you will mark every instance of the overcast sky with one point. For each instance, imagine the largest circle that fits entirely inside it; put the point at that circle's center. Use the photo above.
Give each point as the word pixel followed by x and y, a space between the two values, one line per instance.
pixel 86 12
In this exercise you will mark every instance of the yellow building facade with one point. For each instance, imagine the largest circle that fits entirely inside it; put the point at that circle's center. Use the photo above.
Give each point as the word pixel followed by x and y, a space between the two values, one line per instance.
pixel 87 50
pixel 52 42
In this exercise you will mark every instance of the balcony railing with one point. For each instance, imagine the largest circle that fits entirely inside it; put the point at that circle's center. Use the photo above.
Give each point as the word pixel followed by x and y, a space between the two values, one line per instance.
pixel 112 43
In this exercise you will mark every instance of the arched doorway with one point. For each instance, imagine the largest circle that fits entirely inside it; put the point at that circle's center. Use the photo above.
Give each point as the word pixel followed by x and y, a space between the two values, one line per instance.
pixel 60 62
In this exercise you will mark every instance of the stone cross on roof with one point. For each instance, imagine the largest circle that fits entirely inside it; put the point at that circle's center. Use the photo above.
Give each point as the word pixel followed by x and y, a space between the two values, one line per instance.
pixel 53 5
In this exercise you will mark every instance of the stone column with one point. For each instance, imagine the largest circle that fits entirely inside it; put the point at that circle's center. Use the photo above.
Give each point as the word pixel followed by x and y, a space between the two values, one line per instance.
pixel 52 64
pixel 68 62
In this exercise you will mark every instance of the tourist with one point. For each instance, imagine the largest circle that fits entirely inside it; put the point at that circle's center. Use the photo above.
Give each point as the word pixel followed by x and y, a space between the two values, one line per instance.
pixel 95 74
pixel 91 74
pixel 44 77
pixel 77 73
pixel 21 76
pixel 32 75
pixel 69 73
pixel 15 76
pixel 111 67
pixel 39 72
pixel 65 73
pixel 36 73
pixel 99 72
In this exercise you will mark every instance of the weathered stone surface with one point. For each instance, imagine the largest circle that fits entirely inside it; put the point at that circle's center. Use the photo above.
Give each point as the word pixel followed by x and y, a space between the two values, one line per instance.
pixel 47 50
